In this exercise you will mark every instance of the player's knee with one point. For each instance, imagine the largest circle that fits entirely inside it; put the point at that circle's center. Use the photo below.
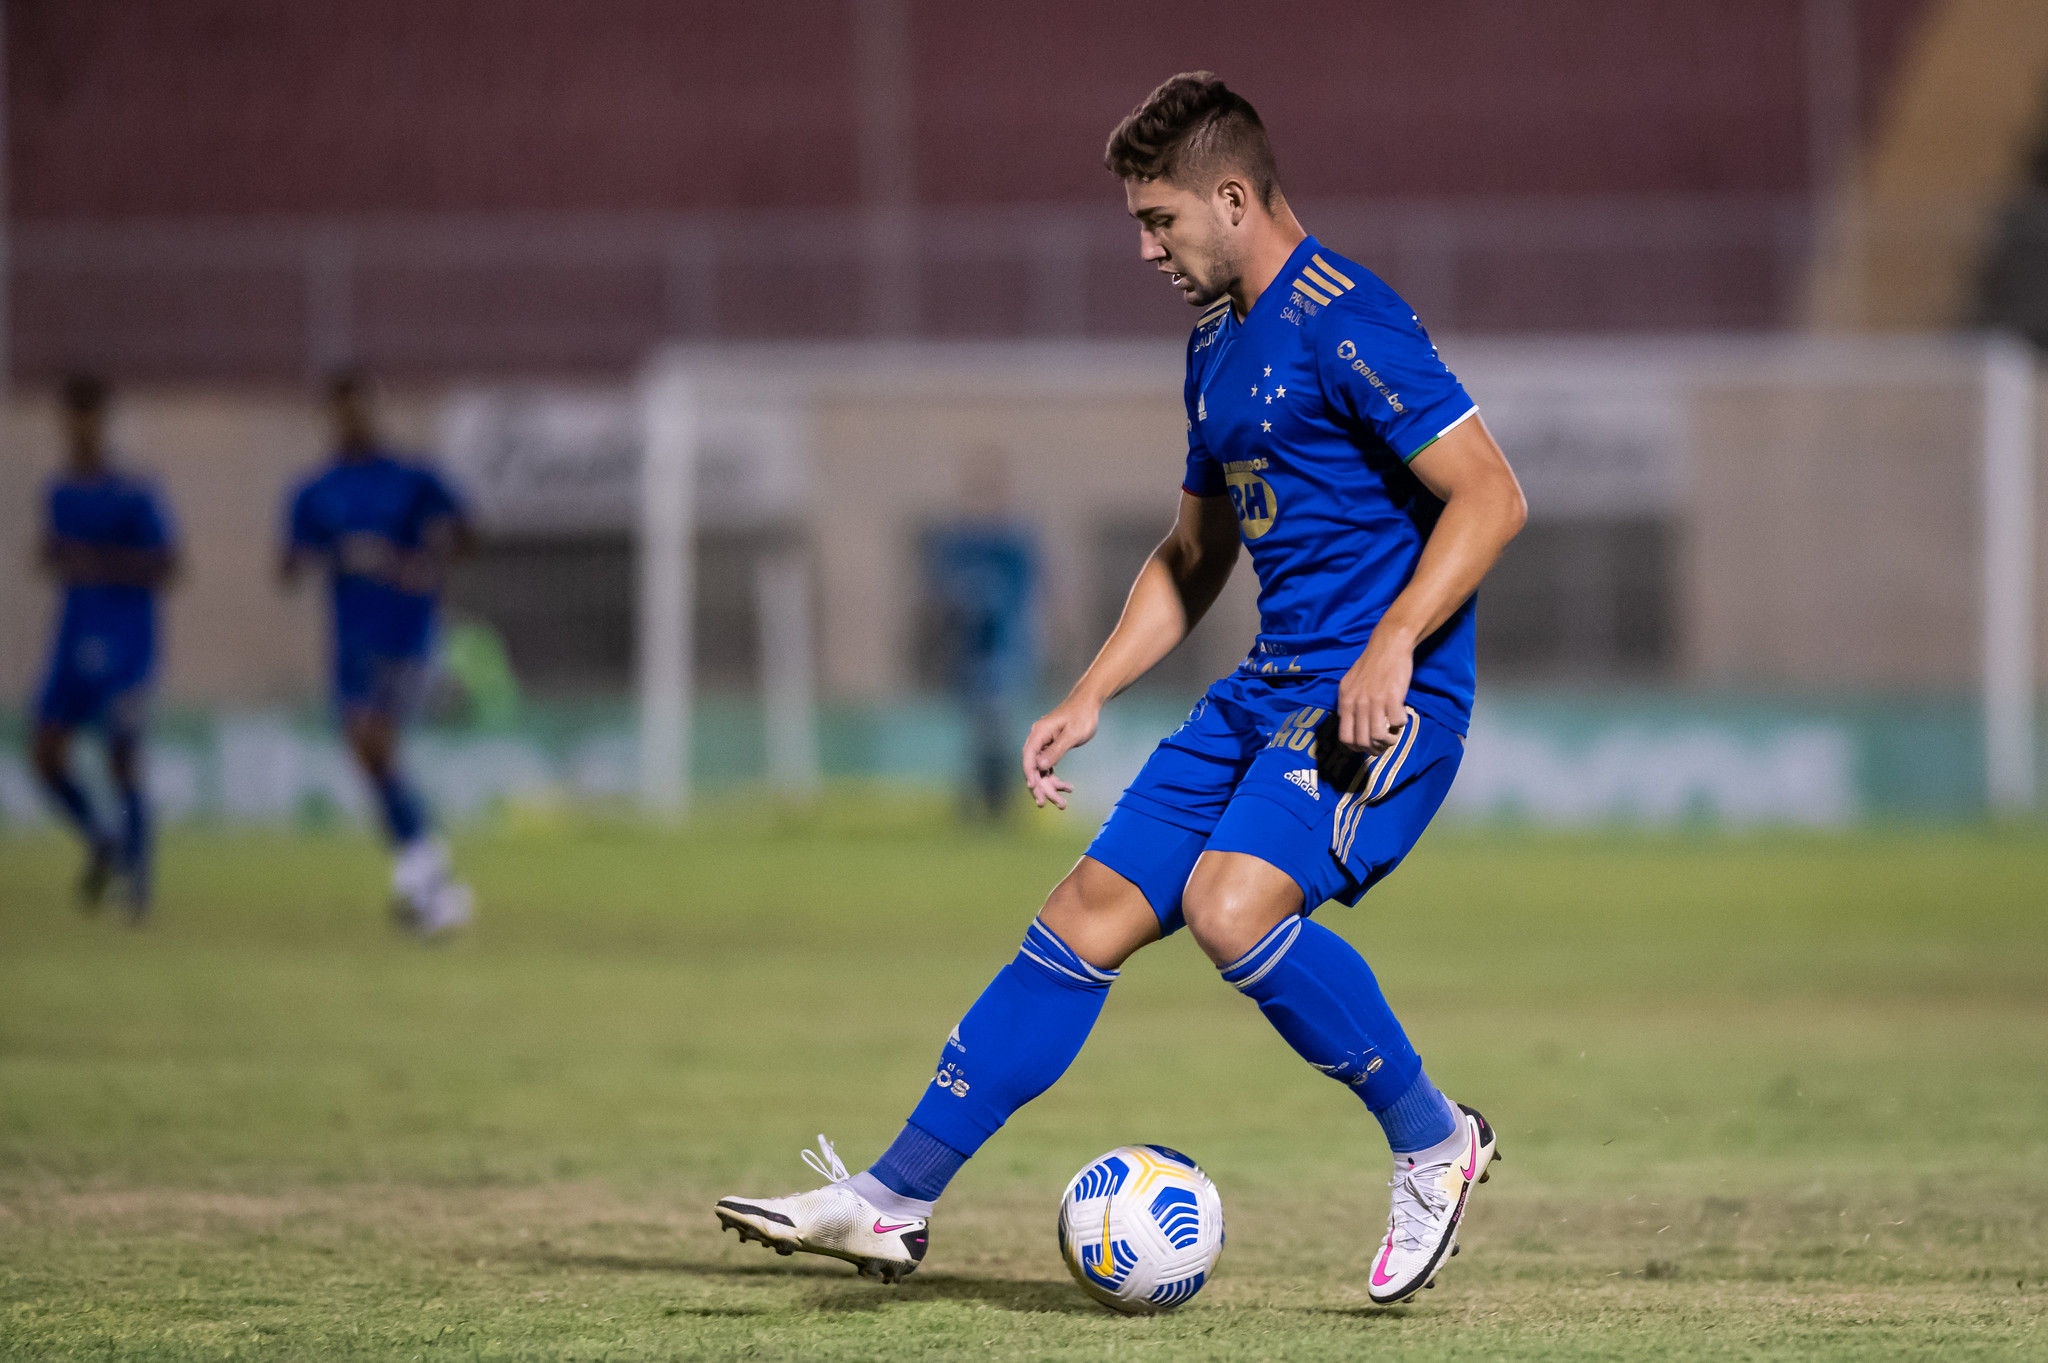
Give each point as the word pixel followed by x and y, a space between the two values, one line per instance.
pixel 1229 906
pixel 371 741
pixel 1099 915
pixel 49 752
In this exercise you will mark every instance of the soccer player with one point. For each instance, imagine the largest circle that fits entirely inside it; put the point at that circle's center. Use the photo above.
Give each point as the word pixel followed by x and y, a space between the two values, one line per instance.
pixel 1328 439
pixel 107 540
pixel 982 571
pixel 386 529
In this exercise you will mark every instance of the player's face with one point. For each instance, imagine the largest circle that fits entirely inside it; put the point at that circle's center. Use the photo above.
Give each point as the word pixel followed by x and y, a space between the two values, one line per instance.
pixel 84 428
pixel 350 411
pixel 1182 234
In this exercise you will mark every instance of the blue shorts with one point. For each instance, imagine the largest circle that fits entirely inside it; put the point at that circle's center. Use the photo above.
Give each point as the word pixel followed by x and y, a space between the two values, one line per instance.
pixel 381 684
pixel 1257 768
pixel 92 681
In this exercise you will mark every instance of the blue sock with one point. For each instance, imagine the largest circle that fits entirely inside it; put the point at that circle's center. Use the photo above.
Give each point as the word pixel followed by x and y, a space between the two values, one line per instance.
pixel 917 1164
pixel 71 802
pixel 135 831
pixel 1419 1118
pixel 1320 995
pixel 404 817
pixel 1017 1039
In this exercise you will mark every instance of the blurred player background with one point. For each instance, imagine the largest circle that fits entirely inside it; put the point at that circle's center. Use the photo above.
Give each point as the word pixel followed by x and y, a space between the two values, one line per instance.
pixel 795 370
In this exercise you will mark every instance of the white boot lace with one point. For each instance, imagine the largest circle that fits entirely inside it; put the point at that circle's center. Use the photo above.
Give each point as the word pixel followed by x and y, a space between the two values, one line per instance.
pixel 1419 1204
pixel 825 1161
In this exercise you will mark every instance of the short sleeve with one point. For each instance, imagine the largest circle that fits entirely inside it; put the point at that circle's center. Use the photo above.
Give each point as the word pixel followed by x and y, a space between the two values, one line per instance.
pixel 438 499
pixel 1204 476
pixel 302 527
pixel 153 528
pixel 1380 370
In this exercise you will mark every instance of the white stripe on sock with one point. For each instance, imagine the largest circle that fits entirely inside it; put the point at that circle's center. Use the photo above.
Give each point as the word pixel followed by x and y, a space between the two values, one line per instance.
pixel 1293 926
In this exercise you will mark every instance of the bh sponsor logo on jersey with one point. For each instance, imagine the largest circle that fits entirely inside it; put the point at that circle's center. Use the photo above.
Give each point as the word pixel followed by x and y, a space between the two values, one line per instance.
pixel 1251 496
pixel 1347 351
pixel 953 1078
pixel 1305 777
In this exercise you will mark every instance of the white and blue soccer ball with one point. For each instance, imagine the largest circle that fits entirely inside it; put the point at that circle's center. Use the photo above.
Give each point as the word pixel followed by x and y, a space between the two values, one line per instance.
pixel 1140 1228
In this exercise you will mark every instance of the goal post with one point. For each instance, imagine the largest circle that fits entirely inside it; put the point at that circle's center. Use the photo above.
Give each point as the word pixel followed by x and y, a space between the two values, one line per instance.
pixel 2009 567
pixel 719 451
pixel 666 551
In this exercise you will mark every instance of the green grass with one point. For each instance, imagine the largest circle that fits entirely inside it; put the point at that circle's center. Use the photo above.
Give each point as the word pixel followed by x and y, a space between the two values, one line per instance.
pixel 1770 1097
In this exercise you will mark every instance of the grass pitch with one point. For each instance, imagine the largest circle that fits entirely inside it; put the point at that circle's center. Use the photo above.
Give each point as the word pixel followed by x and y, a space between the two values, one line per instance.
pixel 1772 1097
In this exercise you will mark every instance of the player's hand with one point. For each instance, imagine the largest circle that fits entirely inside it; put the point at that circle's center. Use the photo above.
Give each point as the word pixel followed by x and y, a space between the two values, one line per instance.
pixel 1070 724
pixel 1373 697
pixel 73 562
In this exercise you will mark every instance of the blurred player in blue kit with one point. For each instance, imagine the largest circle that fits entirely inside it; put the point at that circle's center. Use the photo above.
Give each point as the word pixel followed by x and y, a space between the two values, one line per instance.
pixel 983 576
pixel 1328 440
pixel 385 528
pixel 107 540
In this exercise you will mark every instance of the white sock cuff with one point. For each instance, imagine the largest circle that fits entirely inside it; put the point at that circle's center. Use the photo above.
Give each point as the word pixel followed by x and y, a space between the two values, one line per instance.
pixel 1451 1147
pixel 883 1198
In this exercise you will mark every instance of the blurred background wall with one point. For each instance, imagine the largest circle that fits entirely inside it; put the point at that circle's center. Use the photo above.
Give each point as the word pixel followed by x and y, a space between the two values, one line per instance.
pixel 230 189
pixel 521 201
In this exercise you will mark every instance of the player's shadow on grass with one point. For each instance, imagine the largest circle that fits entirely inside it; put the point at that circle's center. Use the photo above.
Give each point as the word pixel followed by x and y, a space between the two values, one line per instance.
pixel 662 1263
pixel 843 1292
pixel 1009 1294
pixel 1360 1312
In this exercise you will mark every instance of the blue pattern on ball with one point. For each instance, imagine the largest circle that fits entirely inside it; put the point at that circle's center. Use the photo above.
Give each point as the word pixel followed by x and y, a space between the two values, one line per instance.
pixel 1173 1294
pixel 1178 1215
pixel 1104 1178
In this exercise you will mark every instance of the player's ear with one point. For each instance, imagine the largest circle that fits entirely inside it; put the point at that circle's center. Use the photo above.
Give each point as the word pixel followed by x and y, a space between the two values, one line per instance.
pixel 1235 200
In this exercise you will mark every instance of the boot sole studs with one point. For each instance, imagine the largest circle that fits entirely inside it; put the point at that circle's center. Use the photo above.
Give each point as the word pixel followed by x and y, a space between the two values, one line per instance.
pixel 865 1267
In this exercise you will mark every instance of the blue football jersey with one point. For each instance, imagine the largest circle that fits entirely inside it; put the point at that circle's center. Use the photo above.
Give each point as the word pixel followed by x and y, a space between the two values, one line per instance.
pixel 985 576
pixel 108 622
pixel 1305 415
pixel 357 514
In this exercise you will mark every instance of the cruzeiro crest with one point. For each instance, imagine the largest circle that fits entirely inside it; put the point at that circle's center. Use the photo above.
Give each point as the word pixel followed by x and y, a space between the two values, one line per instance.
pixel 1251 496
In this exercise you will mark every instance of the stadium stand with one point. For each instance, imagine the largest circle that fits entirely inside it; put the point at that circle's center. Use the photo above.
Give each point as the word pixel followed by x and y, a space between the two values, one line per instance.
pixel 210 194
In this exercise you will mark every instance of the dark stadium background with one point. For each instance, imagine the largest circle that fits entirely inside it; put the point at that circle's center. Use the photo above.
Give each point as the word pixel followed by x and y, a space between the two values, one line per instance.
pixel 224 190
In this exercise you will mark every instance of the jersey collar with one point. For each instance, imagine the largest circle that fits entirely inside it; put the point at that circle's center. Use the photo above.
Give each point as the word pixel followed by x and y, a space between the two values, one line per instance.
pixel 1280 282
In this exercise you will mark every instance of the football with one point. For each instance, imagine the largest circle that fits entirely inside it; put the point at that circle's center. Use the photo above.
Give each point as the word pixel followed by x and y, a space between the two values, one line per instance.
pixel 1140 1228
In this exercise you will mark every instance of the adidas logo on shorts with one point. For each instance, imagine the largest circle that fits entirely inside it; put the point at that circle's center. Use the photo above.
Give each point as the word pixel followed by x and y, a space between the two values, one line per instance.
pixel 1305 777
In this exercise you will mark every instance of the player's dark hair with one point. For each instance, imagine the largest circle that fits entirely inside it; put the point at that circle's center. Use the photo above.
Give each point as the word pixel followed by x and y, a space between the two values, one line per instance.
pixel 1191 130
pixel 84 393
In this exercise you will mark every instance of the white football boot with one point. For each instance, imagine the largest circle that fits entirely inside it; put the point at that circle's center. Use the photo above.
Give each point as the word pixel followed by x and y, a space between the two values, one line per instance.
pixel 1429 1202
pixel 426 899
pixel 451 907
pixel 832 1220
